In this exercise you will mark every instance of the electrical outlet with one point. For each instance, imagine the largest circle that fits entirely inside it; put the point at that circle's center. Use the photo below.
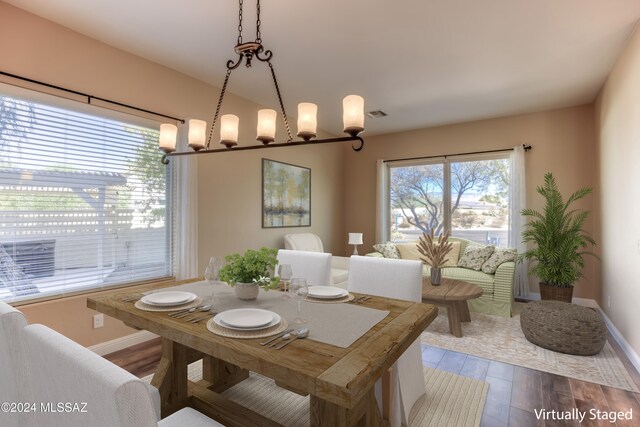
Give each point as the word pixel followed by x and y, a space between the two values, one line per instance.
pixel 98 321
pixel 608 301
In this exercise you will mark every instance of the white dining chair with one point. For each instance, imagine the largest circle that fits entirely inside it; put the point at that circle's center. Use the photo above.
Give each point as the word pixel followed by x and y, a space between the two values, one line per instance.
pixel 315 267
pixel 12 369
pixel 400 279
pixel 60 370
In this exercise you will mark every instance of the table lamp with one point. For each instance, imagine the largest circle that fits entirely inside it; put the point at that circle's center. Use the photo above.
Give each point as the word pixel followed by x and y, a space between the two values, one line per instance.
pixel 355 239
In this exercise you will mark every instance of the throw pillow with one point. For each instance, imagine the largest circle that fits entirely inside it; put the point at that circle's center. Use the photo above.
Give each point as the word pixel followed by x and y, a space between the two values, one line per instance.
pixel 498 257
pixel 388 250
pixel 452 257
pixel 475 255
pixel 409 250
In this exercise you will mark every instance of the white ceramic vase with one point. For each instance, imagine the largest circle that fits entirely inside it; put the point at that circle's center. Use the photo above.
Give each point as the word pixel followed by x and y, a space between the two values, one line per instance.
pixel 247 291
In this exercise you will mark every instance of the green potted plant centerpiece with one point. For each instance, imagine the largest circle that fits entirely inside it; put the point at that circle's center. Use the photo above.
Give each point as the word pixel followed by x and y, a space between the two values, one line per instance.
pixel 249 272
pixel 559 241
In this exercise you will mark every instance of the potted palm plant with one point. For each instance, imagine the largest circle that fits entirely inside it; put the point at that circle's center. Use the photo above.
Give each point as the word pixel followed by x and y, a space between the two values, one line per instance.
pixel 249 272
pixel 559 241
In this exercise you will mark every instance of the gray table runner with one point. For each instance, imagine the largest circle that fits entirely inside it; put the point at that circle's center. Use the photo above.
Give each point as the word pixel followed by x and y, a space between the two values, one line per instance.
pixel 336 324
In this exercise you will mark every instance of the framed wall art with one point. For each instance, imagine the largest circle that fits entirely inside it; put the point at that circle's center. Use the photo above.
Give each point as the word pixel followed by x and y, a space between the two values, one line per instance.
pixel 286 195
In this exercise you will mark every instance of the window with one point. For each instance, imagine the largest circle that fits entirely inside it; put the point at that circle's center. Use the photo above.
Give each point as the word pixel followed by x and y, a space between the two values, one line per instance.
pixel 83 198
pixel 467 195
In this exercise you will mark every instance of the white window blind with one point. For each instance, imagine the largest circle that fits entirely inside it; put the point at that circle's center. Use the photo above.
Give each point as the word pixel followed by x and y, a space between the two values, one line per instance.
pixel 84 198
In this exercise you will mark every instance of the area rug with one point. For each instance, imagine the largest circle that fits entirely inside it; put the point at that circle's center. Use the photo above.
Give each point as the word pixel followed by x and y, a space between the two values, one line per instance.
pixel 451 400
pixel 500 338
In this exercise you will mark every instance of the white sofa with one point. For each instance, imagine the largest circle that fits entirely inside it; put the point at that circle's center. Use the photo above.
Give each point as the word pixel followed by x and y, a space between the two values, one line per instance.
pixel 312 243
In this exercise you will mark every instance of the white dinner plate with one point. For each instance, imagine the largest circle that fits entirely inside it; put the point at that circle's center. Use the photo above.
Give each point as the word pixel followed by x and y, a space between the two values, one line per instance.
pixel 247 319
pixel 327 292
pixel 168 298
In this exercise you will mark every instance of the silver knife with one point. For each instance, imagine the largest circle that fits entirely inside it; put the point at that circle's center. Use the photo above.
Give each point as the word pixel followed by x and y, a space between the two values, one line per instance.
pixel 277 336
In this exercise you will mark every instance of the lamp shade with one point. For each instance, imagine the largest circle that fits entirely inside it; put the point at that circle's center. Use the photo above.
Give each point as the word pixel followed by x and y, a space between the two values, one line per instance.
pixel 168 136
pixel 307 120
pixel 266 126
pixel 229 130
pixel 353 114
pixel 197 134
pixel 355 238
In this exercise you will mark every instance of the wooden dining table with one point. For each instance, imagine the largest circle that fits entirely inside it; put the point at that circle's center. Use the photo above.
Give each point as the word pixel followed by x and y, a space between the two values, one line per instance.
pixel 340 381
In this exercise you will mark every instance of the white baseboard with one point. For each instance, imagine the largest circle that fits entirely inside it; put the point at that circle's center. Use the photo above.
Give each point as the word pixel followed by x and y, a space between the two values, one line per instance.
pixel 622 342
pixel 122 342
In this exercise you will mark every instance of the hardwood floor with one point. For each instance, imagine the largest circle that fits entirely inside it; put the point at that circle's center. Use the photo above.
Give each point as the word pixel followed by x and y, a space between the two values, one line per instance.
pixel 515 393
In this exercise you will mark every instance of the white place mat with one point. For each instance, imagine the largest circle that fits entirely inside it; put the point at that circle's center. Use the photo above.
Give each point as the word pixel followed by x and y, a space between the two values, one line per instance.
pixel 336 324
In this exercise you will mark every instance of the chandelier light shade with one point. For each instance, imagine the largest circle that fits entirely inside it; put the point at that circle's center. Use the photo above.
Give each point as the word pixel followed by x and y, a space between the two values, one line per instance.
pixel 353 114
pixel 197 134
pixel 266 126
pixel 307 120
pixel 229 130
pixel 168 137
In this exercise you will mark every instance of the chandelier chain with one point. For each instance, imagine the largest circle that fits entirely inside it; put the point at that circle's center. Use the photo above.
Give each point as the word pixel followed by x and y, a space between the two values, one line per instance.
pixel 258 22
pixel 215 116
pixel 240 22
pixel 284 113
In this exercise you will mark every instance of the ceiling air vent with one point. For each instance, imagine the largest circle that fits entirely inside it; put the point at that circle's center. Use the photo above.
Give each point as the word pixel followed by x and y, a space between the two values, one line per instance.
pixel 377 114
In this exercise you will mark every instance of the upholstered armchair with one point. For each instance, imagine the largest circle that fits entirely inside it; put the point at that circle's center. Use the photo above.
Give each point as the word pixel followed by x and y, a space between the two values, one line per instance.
pixel 311 243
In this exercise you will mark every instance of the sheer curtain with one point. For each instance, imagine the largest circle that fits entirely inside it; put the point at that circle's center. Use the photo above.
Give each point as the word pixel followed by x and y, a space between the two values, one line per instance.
pixel 382 194
pixel 517 201
pixel 185 210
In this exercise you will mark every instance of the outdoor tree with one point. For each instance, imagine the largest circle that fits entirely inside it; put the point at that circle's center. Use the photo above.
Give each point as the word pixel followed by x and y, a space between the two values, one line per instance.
pixel 16 119
pixel 418 189
pixel 146 164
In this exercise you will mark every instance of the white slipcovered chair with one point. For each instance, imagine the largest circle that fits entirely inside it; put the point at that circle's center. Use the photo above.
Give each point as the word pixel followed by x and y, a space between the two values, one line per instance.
pixel 400 279
pixel 313 266
pixel 312 243
pixel 60 370
pixel 38 365
pixel 12 368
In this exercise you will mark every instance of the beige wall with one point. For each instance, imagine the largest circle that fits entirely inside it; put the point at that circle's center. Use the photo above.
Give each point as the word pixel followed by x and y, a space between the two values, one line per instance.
pixel 618 154
pixel 229 184
pixel 562 140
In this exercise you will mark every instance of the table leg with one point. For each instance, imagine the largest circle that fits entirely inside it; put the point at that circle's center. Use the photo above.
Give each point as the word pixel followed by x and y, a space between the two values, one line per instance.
pixel 364 414
pixel 463 310
pixel 222 375
pixel 171 377
pixel 454 319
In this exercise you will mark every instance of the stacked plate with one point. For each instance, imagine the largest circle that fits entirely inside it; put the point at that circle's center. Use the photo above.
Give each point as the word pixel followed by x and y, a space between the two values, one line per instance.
pixel 327 292
pixel 168 298
pixel 247 319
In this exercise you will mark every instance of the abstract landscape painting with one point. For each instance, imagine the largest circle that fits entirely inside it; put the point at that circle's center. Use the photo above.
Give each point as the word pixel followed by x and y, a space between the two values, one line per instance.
pixel 286 195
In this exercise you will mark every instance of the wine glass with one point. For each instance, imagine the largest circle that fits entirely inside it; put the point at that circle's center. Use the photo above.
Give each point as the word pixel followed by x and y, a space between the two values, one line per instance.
pixel 216 263
pixel 209 276
pixel 285 272
pixel 299 290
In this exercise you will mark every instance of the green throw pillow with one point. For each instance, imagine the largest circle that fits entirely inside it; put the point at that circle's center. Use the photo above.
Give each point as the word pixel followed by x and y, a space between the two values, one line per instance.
pixel 498 257
pixel 388 250
pixel 475 255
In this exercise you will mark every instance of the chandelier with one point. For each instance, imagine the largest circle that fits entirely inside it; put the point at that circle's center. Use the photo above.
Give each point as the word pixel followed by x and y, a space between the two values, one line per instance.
pixel 353 113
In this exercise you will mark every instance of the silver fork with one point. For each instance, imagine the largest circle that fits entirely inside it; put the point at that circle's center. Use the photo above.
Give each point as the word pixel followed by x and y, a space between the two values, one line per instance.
pixel 200 318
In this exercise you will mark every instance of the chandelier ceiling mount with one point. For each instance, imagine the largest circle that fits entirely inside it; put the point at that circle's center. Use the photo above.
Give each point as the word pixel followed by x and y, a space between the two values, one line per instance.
pixel 353 112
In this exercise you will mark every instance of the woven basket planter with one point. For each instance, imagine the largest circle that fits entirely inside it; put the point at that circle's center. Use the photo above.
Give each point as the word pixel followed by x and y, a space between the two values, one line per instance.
pixel 555 293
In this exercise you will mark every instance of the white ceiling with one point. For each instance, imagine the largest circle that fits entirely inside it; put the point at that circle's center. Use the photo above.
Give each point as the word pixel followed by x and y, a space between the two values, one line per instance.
pixel 424 62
